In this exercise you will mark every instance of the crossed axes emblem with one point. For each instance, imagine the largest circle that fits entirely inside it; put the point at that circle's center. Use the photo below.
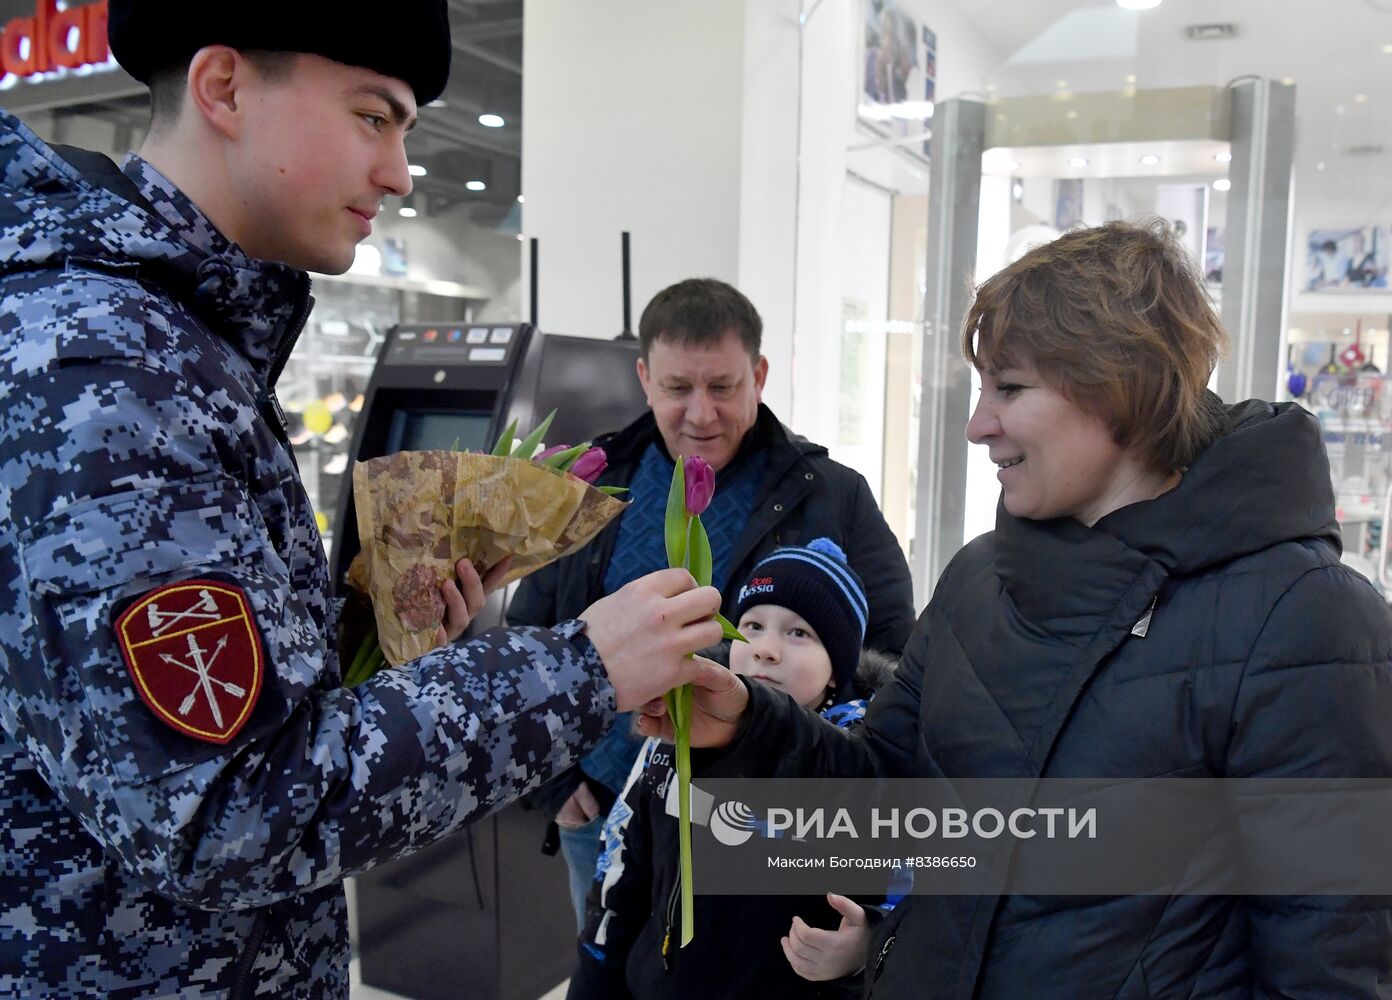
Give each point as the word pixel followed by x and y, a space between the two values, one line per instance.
pixel 205 608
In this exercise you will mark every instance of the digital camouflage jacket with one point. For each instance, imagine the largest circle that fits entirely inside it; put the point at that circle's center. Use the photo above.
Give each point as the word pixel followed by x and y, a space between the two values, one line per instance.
pixel 183 781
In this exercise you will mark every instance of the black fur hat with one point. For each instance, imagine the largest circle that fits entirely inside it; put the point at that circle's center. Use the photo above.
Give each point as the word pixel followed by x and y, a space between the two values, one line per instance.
pixel 408 40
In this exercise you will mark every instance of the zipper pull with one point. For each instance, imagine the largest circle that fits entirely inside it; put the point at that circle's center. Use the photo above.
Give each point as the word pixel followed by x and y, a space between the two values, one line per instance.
pixel 880 960
pixel 1142 626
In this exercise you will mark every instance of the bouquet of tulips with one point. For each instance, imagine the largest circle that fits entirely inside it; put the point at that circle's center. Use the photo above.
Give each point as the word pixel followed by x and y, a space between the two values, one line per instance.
pixel 688 547
pixel 420 512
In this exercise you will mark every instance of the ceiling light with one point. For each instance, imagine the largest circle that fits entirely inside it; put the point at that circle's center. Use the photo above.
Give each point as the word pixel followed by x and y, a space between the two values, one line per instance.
pixel 1138 4
pixel 1130 77
pixel 1077 161
pixel 1062 84
pixel 521 238
pixel 476 185
pixel 491 121
pixel 1223 157
pixel 439 102
pixel 406 212
pixel 1150 159
pixel 1012 164
pixel 521 200
pixel 1072 114
pixel 1319 165
pixel 1222 184
pixel 1359 98
pixel 416 170
pixel 1387 50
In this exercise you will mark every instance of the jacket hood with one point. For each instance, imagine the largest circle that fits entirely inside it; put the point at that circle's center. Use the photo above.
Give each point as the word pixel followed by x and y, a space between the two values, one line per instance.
pixel 1264 481
pixel 61 206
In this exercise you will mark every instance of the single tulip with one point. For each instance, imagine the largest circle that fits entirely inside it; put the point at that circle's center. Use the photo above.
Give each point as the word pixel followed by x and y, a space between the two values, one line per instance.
pixel 589 465
pixel 700 485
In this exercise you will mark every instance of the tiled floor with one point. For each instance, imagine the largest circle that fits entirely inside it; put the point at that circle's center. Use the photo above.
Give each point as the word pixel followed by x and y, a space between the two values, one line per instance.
pixel 357 991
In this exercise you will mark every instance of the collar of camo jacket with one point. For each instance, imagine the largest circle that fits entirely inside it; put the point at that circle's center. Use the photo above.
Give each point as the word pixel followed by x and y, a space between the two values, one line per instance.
pixel 61 205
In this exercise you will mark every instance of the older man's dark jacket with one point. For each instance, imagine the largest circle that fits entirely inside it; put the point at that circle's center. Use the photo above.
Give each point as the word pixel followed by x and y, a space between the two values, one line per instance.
pixel 805 495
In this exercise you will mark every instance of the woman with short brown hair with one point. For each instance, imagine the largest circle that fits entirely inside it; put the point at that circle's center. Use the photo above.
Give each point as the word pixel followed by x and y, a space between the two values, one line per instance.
pixel 1162 596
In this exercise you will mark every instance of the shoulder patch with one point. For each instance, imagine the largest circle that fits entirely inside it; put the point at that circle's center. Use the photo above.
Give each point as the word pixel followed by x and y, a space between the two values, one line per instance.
pixel 195 656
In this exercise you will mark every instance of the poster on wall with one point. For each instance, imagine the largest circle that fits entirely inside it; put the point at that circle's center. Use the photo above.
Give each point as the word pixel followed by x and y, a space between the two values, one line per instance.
pixel 898 86
pixel 1346 260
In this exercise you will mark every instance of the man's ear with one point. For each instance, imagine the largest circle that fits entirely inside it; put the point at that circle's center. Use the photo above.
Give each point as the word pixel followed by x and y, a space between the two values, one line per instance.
pixel 760 376
pixel 643 379
pixel 215 76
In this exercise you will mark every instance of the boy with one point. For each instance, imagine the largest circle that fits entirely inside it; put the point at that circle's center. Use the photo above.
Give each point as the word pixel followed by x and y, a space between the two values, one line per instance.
pixel 803 611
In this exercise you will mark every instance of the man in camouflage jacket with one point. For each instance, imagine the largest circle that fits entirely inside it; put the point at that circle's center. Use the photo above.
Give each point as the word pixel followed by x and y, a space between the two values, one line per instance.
pixel 184 782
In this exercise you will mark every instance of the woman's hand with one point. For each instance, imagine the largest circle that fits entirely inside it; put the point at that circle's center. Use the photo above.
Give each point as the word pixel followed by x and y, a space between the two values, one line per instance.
pixel 718 700
pixel 819 955
pixel 464 600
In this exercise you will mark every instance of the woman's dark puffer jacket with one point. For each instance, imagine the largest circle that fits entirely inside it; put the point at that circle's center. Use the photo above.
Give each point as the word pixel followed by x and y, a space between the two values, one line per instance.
pixel 1264 656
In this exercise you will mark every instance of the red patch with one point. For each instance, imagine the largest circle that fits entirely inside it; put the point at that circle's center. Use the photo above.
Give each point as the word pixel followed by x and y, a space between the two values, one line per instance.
pixel 193 650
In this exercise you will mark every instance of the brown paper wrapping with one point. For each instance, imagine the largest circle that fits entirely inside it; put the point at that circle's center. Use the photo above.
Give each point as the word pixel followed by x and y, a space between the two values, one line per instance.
pixel 421 511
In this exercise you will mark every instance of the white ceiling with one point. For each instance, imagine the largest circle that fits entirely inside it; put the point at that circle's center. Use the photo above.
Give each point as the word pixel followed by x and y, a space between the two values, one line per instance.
pixel 1332 50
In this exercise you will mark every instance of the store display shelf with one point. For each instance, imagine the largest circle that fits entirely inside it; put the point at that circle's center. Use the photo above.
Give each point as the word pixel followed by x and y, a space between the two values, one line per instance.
pixel 452 289
pixel 1350 508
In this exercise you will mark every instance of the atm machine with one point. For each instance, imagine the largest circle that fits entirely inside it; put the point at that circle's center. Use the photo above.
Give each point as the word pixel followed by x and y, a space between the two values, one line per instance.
pixel 481 914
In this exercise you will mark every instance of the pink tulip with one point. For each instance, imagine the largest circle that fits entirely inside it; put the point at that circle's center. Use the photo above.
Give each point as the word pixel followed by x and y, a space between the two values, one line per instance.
pixel 589 465
pixel 700 485
pixel 553 450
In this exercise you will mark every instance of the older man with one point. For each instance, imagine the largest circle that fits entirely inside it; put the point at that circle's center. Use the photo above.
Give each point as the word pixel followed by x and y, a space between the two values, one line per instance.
pixel 703 373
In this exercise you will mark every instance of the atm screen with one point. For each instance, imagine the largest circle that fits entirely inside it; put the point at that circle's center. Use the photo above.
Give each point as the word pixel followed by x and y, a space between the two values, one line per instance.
pixel 438 430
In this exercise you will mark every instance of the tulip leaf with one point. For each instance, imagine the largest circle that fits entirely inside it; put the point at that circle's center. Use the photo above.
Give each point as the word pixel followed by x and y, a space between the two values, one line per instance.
pixel 613 491
pixel 528 445
pixel 504 446
pixel 675 527
pixel 563 460
pixel 698 553
pixel 730 631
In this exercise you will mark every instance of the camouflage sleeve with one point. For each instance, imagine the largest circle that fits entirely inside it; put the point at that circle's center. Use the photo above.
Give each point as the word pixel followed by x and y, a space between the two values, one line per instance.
pixel 122 482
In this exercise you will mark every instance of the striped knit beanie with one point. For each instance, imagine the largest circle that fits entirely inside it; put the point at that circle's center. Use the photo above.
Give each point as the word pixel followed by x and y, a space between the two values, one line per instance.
pixel 815 583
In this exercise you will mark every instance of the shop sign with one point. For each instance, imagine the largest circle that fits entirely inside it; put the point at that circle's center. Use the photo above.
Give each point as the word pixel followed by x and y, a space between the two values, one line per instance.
pixel 53 42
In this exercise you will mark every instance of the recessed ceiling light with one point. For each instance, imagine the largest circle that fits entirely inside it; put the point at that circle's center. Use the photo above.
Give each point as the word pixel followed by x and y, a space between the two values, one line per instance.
pixel 1289 81
pixel 1150 159
pixel 1222 184
pixel 1077 161
pixel 1319 165
pixel 406 212
pixel 521 238
pixel 476 185
pixel 1359 98
pixel 521 200
pixel 416 170
pixel 1387 50
pixel 1072 114
pixel 1138 4
pixel 1130 77
pixel 491 121
pixel 1223 157
pixel 1062 84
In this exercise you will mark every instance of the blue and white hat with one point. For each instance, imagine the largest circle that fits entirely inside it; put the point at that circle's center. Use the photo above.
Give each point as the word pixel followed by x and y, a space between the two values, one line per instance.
pixel 816 583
